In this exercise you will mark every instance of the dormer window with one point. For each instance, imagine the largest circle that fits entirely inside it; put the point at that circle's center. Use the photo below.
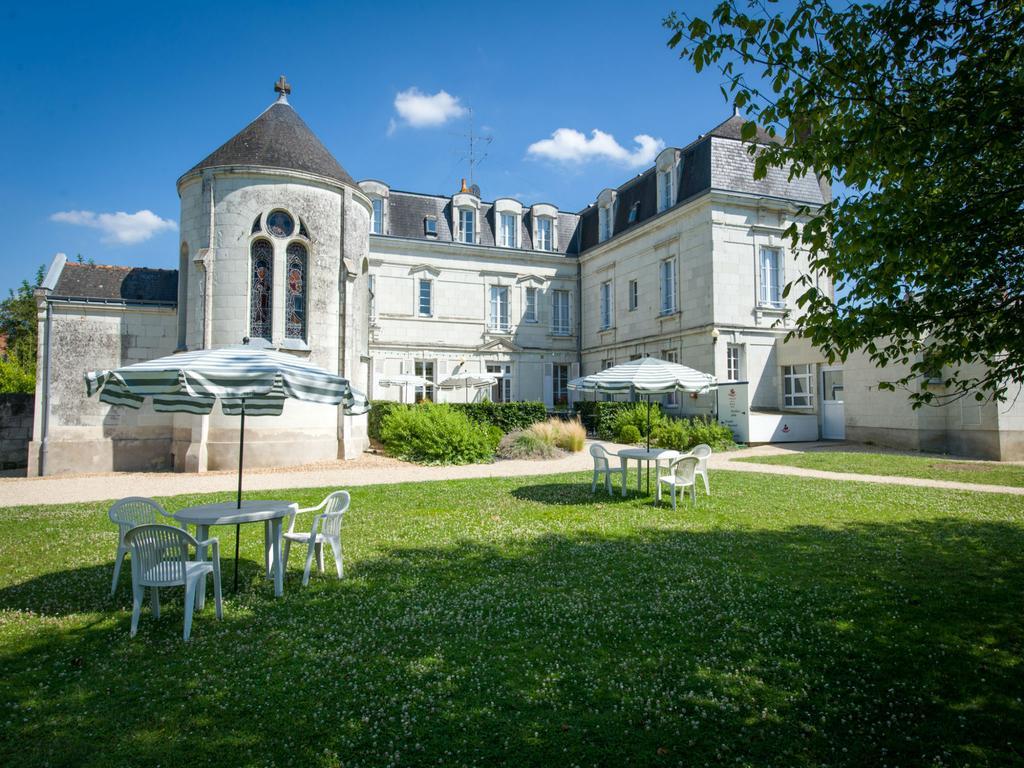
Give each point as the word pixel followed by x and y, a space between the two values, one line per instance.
pixel 377 225
pixel 667 169
pixel 508 229
pixel 544 234
pixel 430 226
pixel 508 215
pixel 634 213
pixel 378 193
pixel 605 215
pixel 545 227
pixel 467 225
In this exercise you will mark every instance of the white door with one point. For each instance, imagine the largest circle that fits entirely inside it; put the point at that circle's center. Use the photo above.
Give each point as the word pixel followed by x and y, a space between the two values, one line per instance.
pixel 833 418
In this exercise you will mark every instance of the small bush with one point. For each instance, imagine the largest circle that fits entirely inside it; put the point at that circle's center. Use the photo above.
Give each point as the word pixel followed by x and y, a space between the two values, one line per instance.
pixel 494 435
pixel 508 416
pixel 673 435
pixel 629 435
pixel 636 415
pixel 526 444
pixel 379 411
pixel 684 434
pixel 435 434
pixel 567 435
pixel 713 433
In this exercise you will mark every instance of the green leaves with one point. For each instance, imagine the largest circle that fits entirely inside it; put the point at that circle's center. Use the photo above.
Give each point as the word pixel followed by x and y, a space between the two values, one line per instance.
pixel 915 112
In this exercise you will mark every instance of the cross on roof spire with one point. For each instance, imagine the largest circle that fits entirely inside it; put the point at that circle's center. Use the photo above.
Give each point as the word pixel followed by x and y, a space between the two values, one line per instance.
pixel 283 89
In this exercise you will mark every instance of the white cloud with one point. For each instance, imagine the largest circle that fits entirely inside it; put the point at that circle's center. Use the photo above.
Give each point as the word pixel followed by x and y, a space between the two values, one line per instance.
pixel 568 145
pixel 422 110
pixel 121 228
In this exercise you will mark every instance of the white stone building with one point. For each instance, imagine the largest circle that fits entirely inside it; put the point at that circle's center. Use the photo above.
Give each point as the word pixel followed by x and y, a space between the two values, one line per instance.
pixel 685 261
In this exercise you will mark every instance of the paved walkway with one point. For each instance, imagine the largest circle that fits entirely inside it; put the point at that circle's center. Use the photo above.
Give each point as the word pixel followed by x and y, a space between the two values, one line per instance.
pixel 372 469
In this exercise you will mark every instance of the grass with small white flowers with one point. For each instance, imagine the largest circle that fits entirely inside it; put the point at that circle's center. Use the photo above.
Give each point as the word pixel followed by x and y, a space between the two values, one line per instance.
pixel 522 621
pixel 933 467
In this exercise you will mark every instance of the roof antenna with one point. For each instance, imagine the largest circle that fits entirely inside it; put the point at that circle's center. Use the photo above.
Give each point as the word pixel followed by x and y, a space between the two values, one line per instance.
pixel 474 158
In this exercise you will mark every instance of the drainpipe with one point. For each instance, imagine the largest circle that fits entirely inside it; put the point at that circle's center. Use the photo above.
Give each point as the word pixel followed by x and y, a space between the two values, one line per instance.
pixel 46 392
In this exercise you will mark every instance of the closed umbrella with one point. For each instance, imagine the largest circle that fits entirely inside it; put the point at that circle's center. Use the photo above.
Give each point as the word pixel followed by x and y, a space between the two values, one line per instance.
pixel 468 381
pixel 646 376
pixel 403 380
pixel 248 381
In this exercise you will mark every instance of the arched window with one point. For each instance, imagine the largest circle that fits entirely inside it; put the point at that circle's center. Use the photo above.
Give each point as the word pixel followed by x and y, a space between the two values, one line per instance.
pixel 260 326
pixel 295 286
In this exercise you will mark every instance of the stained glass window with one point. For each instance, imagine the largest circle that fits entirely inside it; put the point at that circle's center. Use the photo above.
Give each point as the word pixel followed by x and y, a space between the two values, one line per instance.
pixel 303 232
pixel 280 224
pixel 295 306
pixel 255 226
pixel 262 290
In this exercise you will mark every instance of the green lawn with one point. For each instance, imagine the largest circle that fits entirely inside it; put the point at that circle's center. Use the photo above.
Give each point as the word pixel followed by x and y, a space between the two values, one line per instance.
pixel 783 622
pixel 890 464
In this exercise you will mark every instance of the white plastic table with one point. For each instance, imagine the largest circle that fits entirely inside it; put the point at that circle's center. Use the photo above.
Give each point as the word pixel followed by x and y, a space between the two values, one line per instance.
pixel 641 455
pixel 270 513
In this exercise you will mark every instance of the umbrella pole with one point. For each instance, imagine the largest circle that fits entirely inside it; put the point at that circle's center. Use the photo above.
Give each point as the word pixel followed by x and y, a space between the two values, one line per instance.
pixel 649 444
pixel 238 503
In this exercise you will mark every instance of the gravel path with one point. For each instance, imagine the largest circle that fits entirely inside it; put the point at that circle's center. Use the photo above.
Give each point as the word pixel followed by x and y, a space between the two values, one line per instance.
pixel 372 469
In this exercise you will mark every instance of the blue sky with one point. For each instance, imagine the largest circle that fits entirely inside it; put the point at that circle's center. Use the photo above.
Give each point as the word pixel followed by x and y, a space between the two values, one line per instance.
pixel 107 104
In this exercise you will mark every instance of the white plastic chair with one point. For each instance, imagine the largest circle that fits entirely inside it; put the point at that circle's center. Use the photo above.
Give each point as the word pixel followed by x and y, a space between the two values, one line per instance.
pixel 326 529
pixel 703 453
pixel 602 466
pixel 668 457
pixel 682 475
pixel 160 559
pixel 127 514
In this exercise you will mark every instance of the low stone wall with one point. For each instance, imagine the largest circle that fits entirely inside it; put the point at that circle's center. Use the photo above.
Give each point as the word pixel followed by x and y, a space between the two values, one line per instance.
pixel 16 413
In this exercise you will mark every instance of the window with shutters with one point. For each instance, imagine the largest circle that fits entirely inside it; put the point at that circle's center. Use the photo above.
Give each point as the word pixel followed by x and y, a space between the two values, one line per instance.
pixel 668 286
pixel 560 323
pixel 606 305
pixel 498 320
pixel 530 308
pixel 261 298
pixel 560 385
pixel 771 278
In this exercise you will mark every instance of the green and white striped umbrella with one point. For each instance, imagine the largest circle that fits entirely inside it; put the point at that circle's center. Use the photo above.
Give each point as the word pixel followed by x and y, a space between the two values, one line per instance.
pixel 248 381
pixel 646 376
pixel 191 382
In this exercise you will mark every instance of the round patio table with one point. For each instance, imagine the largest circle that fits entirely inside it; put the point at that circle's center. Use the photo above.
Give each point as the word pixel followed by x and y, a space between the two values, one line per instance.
pixel 642 455
pixel 270 513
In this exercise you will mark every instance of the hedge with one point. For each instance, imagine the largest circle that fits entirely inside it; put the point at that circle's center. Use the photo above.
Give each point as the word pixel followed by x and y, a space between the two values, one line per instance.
pixel 508 417
pixel 601 414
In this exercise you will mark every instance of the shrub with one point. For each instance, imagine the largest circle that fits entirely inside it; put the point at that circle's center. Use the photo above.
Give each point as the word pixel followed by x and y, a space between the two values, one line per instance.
pixel 379 411
pixel 628 435
pixel 508 416
pixel 434 434
pixel 494 435
pixel 673 434
pixel 567 435
pixel 713 433
pixel 636 415
pixel 526 444
pixel 684 434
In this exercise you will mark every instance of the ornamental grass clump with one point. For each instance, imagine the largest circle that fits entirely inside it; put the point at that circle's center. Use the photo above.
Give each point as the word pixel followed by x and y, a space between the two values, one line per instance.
pixel 527 444
pixel 435 434
pixel 567 435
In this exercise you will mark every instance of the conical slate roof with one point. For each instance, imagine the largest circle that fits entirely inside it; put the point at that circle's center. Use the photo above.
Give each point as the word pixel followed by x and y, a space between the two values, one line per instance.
pixel 278 138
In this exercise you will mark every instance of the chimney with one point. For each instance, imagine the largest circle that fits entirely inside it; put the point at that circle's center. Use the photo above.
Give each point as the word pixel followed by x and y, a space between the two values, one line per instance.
pixel 464 186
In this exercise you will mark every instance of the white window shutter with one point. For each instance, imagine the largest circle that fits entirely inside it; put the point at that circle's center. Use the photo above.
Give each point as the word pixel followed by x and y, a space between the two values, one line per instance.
pixel 549 401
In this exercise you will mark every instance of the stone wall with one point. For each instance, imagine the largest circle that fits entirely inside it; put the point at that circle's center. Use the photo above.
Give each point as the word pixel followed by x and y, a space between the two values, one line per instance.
pixel 15 429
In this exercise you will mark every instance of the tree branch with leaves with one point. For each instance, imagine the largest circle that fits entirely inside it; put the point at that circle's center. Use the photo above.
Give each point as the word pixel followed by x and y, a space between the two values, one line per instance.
pixel 914 112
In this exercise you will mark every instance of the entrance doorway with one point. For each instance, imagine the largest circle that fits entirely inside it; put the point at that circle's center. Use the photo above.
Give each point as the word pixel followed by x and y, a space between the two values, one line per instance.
pixel 833 417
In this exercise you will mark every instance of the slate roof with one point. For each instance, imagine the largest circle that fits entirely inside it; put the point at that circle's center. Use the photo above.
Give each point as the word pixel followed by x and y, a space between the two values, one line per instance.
pixel 407 210
pixel 278 138
pixel 98 281
pixel 718 159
